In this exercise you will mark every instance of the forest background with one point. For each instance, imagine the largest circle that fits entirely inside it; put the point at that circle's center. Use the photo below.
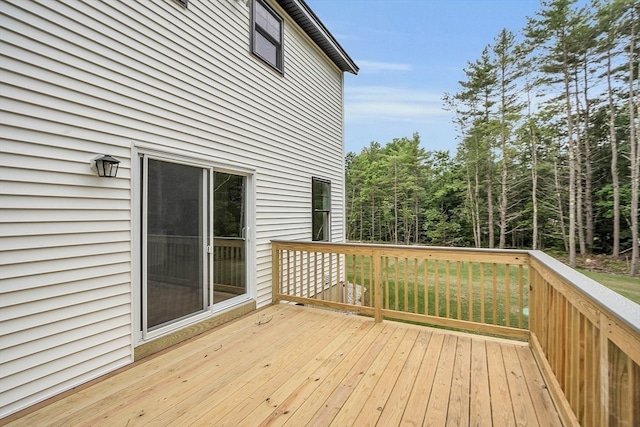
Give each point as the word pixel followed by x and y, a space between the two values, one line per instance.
pixel 548 122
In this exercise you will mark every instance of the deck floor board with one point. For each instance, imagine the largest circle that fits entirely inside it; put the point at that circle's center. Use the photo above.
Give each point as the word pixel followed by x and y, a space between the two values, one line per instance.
pixel 294 366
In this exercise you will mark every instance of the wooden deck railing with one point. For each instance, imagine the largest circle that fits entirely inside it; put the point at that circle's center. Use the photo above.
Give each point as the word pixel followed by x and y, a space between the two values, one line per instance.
pixel 586 338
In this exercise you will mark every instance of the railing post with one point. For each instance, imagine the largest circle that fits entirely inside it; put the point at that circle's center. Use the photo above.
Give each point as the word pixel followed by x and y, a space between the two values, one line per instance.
pixel 377 285
pixel 533 297
pixel 275 274
pixel 604 369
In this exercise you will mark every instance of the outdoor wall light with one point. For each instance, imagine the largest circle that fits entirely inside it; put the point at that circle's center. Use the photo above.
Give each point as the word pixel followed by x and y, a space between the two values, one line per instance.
pixel 106 166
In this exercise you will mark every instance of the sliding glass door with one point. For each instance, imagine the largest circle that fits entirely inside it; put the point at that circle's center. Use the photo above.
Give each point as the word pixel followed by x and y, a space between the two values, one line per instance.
pixel 229 270
pixel 176 232
pixel 193 242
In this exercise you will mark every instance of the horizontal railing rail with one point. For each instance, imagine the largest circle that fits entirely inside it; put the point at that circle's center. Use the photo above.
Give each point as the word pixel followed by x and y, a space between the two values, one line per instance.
pixel 585 337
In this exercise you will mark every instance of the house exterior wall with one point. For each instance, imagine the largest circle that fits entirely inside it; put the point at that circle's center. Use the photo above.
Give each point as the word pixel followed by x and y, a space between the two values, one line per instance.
pixel 80 79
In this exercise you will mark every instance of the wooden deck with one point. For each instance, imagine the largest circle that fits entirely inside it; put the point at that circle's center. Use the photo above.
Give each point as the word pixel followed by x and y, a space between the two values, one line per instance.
pixel 295 366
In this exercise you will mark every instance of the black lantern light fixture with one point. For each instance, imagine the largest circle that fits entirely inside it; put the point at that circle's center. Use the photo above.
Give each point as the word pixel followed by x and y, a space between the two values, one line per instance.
pixel 107 166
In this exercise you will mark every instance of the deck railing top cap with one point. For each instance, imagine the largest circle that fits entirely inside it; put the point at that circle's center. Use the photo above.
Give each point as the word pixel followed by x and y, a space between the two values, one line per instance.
pixel 387 246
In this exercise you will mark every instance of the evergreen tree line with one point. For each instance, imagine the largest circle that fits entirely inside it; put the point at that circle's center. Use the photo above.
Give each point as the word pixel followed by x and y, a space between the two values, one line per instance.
pixel 548 124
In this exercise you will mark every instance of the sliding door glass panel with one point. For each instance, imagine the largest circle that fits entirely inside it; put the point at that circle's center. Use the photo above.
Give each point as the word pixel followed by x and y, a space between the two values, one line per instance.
pixel 176 213
pixel 229 245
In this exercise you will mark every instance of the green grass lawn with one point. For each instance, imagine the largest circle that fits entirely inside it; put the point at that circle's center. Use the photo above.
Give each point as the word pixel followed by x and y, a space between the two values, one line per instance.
pixel 474 292
pixel 626 286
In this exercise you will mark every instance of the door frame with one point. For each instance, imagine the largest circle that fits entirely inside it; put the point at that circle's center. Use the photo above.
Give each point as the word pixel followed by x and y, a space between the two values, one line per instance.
pixel 137 227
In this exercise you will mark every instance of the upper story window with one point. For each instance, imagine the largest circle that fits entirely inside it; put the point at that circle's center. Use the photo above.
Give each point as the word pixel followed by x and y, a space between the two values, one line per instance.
pixel 267 35
pixel 321 209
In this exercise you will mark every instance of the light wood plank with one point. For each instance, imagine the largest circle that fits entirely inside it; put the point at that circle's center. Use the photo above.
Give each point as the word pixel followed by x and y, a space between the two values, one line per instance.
pixel 378 380
pixel 345 404
pixel 253 402
pixel 439 400
pixel 523 410
pixel 128 384
pixel 417 404
pixel 480 402
pixel 379 396
pixel 340 379
pixel 209 376
pixel 296 366
pixel 546 413
pixel 292 398
pixel 501 408
pixel 392 413
pixel 458 414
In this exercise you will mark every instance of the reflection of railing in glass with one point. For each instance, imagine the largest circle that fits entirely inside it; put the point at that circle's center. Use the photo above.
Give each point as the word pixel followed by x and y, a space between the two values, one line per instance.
pixel 229 275
pixel 171 259
pixel 174 277
pixel 174 259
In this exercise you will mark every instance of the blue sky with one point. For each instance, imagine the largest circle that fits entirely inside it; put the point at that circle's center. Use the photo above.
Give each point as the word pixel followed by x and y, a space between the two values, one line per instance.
pixel 410 52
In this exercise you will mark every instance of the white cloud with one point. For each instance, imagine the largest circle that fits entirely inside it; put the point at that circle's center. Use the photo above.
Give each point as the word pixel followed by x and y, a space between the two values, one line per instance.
pixel 387 103
pixel 376 67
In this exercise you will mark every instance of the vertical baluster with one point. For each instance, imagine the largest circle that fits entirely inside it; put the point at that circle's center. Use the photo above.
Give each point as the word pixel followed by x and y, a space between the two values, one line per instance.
pixel 494 272
pixel 507 296
pixel 470 286
pixel 397 285
pixel 288 272
pixel 330 281
pixel 405 307
pixel 426 286
pixel 416 297
pixel 436 286
pixel 386 282
pixel 323 270
pixel 482 319
pixel 372 280
pixel 520 296
pixel 447 290
pixel 315 276
pixel 340 280
pixel 296 286
pixel 458 289
pixel 310 292
pixel 354 260
pixel 362 278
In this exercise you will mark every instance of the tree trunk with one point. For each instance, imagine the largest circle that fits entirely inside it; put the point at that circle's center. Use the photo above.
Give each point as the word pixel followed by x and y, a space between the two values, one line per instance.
pixel 614 163
pixel 490 200
pixel 588 199
pixel 579 175
pixel 634 151
pixel 373 216
pixel 477 205
pixel 560 209
pixel 572 158
pixel 361 221
pixel 476 236
pixel 395 201
pixel 534 191
pixel 503 198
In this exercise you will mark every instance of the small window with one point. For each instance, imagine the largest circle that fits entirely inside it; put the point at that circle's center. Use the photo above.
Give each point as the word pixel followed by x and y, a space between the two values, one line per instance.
pixel 266 38
pixel 321 209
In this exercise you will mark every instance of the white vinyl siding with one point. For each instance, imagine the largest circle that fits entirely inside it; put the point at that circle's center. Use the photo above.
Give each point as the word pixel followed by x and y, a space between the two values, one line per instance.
pixel 81 79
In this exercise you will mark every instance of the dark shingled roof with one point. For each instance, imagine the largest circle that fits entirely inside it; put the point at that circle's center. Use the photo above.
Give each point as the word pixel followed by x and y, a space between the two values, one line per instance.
pixel 309 22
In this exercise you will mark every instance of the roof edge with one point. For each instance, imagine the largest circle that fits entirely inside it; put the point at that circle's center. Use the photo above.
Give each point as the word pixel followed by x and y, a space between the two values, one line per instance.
pixel 302 14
